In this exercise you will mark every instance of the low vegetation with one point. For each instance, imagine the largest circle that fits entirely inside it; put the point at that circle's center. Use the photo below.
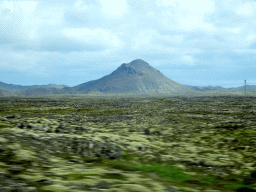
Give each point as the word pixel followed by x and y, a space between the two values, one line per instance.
pixel 85 143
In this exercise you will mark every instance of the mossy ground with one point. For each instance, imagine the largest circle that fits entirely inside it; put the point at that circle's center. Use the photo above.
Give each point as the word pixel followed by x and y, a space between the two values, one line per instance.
pixel 207 142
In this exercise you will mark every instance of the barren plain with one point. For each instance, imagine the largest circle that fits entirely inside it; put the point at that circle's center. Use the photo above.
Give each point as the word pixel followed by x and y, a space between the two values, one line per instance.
pixel 95 143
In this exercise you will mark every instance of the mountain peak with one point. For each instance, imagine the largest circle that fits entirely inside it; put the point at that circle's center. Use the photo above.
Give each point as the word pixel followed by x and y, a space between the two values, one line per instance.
pixel 138 62
pixel 136 66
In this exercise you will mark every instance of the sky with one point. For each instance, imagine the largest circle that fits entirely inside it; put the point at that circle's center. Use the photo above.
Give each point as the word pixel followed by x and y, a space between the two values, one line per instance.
pixel 69 42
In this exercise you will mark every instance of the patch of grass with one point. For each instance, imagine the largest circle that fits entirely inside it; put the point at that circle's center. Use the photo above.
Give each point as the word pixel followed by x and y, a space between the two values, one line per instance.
pixel 125 166
pixel 245 133
pixel 235 186
pixel 209 179
pixel 167 171
pixel 77 176
pixel 128 156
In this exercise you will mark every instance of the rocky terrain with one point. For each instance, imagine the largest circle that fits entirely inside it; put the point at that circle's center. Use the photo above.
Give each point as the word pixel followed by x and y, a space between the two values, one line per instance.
pixel 94 143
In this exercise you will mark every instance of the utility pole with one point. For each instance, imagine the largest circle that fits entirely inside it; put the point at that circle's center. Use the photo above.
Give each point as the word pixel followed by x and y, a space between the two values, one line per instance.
pixel 245 89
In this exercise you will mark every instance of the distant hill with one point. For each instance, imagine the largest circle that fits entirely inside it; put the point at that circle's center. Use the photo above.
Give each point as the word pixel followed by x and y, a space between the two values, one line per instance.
pixel 5 93
pixel 39 91
pixel 248 87
pixel 134 77
pixel 207 88
pixel 14 88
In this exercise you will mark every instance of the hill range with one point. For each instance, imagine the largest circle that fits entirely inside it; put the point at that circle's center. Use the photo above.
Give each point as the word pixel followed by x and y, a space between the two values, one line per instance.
pixel 136 77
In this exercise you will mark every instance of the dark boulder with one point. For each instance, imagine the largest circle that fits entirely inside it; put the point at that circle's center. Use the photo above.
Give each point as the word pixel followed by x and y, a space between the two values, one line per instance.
pixel 156 133
pixel 147 131
pixel 23 125
pixel 245 189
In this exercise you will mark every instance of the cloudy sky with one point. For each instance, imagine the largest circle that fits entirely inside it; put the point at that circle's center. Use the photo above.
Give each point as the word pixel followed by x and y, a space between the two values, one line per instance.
pixel 199 42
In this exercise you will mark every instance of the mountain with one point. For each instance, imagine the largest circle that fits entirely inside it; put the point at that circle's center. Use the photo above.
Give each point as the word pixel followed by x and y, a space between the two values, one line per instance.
pixel 13 88
pixel 134 77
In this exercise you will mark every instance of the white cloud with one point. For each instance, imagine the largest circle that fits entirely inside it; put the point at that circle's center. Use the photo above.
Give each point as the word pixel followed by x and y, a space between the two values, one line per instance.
pixel 195 22
pixel 150 40
pixel 188 7
pixel 246 10
pixel 144 39
pixel 8 5
pixel 189 14
pixel 89 36
pixel 28 7
pixel 114 7
pixel 187 60
pixel 18 7
pixel 80 5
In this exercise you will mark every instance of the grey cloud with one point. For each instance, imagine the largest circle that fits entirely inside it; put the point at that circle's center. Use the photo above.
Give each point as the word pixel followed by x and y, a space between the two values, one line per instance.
pixel 224 19
pixel 91 18
pixel 68 45
pixel 59 45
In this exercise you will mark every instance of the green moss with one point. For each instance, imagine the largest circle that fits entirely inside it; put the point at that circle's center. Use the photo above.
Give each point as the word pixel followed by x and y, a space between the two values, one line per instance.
pixel 3 125
pixel 235 186
pixel 117 176
pixel 245 133
pixel 167 172
pixel 77 176
pixel 9 155
pixel 209 179
pixel 125 166
pixel 66 156
pixel 128 156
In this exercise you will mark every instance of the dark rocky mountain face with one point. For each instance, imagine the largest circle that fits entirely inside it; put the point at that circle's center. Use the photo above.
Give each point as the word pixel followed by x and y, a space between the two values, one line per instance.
pixel 134 77
pixel 126 69
pixel 136 67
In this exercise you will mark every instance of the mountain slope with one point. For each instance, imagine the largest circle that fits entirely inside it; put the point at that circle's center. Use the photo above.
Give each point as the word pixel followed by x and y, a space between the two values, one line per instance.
pixel 135 77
